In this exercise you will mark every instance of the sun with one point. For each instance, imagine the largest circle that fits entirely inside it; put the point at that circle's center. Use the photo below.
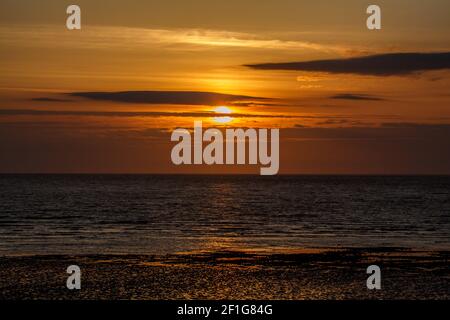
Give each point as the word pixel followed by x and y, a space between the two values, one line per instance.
pixel 223 110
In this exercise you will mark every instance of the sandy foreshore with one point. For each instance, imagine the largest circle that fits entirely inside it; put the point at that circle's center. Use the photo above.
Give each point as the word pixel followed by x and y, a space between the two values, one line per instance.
pixel 334 274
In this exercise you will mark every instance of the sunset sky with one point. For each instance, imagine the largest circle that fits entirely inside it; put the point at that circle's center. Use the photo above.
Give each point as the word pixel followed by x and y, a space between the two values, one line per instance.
pixel 106 98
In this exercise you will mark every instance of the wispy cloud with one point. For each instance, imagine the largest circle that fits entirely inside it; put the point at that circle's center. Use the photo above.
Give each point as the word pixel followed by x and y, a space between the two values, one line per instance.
pixel 33 112
pixel 106 37
pixel 375 65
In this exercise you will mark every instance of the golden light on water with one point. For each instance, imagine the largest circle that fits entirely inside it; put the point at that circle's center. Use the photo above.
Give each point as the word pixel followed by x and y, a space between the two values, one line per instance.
pixel 223 110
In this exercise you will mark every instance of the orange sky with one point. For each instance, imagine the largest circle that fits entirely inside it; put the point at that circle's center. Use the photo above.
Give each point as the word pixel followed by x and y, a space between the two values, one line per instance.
pixel 331 122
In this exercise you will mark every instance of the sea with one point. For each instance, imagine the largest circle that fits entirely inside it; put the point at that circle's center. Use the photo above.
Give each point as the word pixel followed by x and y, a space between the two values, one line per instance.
pixel 168 214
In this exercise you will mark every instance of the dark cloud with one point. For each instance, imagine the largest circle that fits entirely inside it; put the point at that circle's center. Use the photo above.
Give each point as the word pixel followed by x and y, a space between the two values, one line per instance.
pixel 375 65
pixel 256 104
pixel 46 99
pixel 334 122
pixel 165 97
pixel 351 96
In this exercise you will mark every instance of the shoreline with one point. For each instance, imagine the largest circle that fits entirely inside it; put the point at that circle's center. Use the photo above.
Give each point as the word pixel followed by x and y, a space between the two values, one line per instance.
pixel 336 275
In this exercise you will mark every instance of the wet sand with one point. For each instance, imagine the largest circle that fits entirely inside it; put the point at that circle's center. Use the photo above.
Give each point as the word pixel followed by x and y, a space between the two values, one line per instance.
pixel 335 274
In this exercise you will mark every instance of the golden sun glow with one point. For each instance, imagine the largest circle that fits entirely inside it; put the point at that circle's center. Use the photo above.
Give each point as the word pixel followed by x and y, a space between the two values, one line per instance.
pixel 223 110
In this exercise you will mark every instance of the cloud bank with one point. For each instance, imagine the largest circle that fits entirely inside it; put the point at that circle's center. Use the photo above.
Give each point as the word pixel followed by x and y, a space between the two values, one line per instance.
pixel 166 97
pixel 127 114
pixel 374 65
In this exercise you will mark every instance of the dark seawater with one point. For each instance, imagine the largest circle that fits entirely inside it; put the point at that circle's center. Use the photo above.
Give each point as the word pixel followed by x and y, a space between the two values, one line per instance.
pixel 159 214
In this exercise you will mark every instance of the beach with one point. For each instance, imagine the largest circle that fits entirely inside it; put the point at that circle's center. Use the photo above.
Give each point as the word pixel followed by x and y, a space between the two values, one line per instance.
pixel 224 237
pixel 309 274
